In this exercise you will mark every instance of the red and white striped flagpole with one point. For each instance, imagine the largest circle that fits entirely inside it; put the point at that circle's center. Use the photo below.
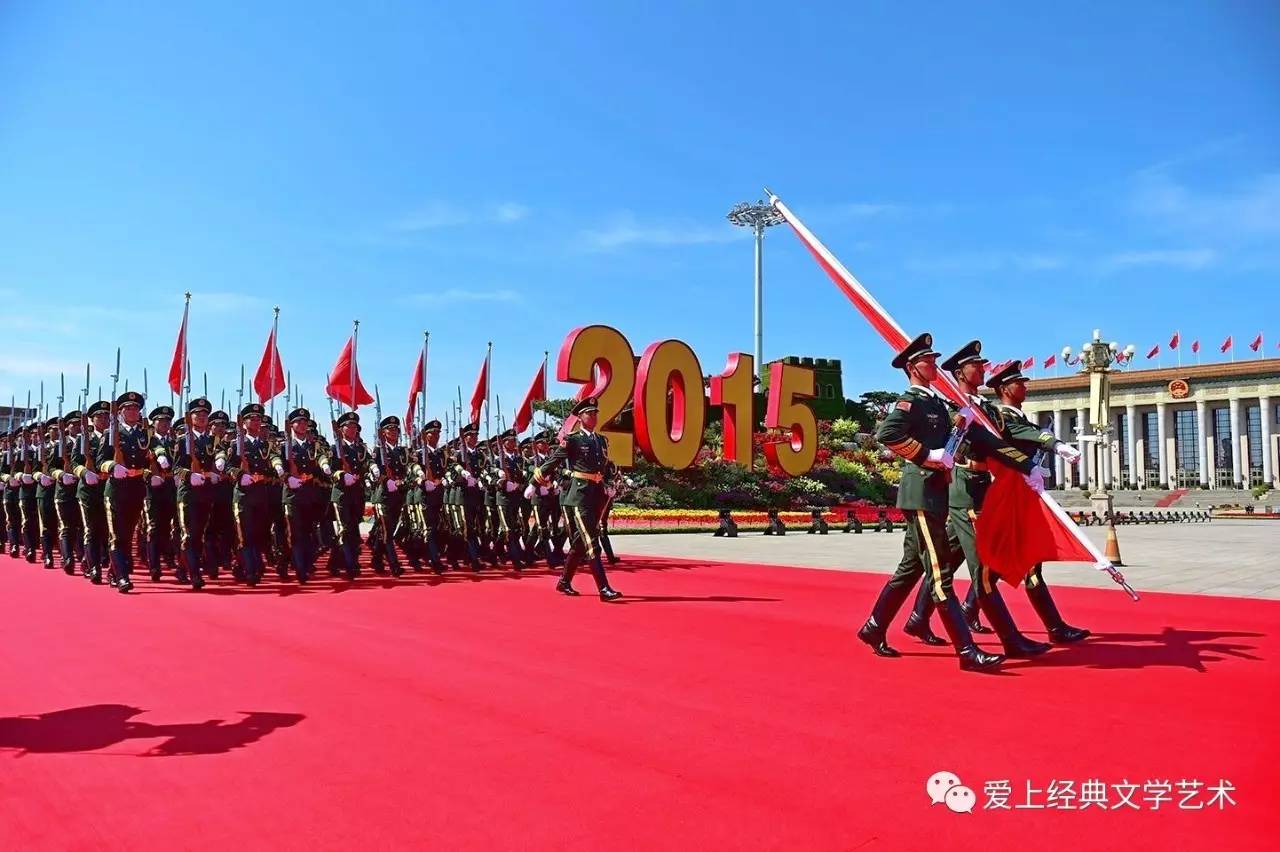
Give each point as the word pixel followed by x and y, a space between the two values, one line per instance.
pixel 897 339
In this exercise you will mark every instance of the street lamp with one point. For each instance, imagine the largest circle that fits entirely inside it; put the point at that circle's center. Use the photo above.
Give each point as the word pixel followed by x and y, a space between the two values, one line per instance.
pixel 757 217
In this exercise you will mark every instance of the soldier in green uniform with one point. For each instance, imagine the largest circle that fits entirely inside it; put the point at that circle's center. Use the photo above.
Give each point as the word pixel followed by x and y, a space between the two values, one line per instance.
pixel 195 464
pixel 969 483
pixel 256 469
pixel 32 440
pixel 431 476
pixel 12 495
pixel 388 479
pixel 468 469
pixel 585 454
pixel 528 529
pixel 547 505
pixel 220 536
pixel 162 494
pixel 91 491
pixel 70 522
pixel 305 491
pixel 124 459
pixel 510 485
pixel 1019 431
pixel 349 467
pixel 919 428
pixel 46 489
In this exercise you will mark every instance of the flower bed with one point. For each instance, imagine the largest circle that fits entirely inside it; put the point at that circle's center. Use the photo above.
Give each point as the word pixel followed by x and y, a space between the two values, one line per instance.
pixel 629 519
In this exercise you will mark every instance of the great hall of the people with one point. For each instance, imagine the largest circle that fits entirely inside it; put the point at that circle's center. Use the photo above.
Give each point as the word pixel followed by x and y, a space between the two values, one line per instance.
pixel 1210 426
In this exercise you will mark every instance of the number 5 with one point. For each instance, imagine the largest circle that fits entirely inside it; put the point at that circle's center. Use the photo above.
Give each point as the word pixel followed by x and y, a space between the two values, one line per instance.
pixel 792 453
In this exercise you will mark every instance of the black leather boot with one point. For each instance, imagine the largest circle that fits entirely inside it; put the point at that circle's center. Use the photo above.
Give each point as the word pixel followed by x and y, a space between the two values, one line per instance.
pixel 972 658
pixel 1060 632
pixel 886 607
pixel 1016 646
pixel 918 622
pixel 970 609
pixel 565 584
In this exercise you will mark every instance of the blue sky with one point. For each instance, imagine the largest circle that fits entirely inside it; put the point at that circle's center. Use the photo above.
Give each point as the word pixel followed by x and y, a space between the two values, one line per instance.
pixel 507 171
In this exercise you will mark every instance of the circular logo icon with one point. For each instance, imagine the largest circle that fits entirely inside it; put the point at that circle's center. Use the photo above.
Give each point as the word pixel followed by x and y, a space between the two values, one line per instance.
pixel 1179 389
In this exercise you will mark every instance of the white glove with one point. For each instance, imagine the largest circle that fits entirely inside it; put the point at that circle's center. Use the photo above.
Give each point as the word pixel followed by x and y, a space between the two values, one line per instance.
pixel 392 485
pixel 214 478
pixel 120 472
pixel 941 458
pixel 528 492
pixel 295 483
pixel 196 479
pixel 164 462
pixel 544 490
pixel 348 479
pixel 375 471
pixel 68 479
pixel 90 478
pixel 967 414
pixel 45 480
pixel 502 474
pixel 1067 452
pixel 428 485
pixel 611 491
pixel 28 479
pixel 1036 479
pixel 156 480
pixel 279 470
pixel 328 471
pixel 220 464
pixel 245 480
pixel 511 486
pixel 471 482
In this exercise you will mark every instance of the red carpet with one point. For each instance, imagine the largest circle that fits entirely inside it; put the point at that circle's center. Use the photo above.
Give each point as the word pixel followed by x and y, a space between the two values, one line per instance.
pixel 721 706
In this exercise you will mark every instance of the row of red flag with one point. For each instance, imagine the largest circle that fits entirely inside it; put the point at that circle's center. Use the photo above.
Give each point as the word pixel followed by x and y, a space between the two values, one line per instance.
pixel 1227 346
pixel 344 383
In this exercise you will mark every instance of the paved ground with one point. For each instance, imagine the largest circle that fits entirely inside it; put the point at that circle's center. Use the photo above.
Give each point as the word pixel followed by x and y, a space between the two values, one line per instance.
pixel 1239 558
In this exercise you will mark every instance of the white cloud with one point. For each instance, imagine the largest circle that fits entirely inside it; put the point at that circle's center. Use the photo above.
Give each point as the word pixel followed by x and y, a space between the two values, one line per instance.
pixel 626 231
pixel 456 295
pixel 509 211
pixel 1181 258
pixel 433 215
pixel 1252 209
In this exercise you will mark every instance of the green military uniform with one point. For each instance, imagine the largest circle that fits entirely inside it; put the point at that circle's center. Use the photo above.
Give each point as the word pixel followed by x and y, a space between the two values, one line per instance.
pixel 124 458
pixel 585 456
pixel 32 441
pixel 67 509
pixel 91 491
pixel 162 494
pixel 197 457
pixel 46 491
pixel 468 470
pixel 431 470
pixel 918 428
pixel 256 468
pixel 350 465
pixel 221 537
pixel 305 493
pixel 389 481
pixel 511 481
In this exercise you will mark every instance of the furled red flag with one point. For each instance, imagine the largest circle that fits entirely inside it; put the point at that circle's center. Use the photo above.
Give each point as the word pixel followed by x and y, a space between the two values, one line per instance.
pixel 177 369
pixel 1195 346
pixel 1155 350
pixel 268 382
pixel 1029 363
pixel 1044 525
pixel 1120 357
pixel 481 393
pixel 537 391
pixel 1226 344
pixel 340 379
pixel 1256 344
pixel 1051 360
pixel 1173 341
pixel 416 386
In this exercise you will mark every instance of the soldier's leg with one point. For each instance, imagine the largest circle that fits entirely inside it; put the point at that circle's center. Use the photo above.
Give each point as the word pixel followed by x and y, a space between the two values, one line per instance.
pixel 605 543
pixel 940 566
pixel 985 591
pixel 431 519
pixel 511 526
pixel 1042 602
pixel 585 518
pixel 351 513
pixel 124 508
pixel 91 566
pixel 30 527
pixel 151 522
pixel 48 526
pixel 13 519
pixel 69 526
pixel 577 552
pixel 193 525
pixel 894 594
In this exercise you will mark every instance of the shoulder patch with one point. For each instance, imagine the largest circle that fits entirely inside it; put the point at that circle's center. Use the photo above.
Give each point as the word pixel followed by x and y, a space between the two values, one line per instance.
pixel 903 405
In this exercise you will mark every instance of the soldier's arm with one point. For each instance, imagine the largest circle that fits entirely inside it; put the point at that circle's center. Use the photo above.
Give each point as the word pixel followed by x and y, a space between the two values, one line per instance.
pixel 895 433
pixel 1017 429
pixel 987 446
pixel 559 455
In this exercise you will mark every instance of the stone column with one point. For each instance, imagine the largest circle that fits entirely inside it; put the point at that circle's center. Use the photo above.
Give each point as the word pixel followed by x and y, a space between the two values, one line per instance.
pixel 1162 451
pixel 1268 463
pixel 1202 431
pixel 1237 464
pixel 1131 420
pixel 1059 466
pixel 1086 448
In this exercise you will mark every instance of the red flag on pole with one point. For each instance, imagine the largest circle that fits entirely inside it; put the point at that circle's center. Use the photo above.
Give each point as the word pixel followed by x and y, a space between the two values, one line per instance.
pixel 1016 530
pixel 1051 360
pixel 269 380
pixel 481 393
pixel 345 374
pixel 1029 363
pixel 1173 341
pixel 1226 344
pixel 177 369
pixel 1155 350
pixel 416 386
pixel 1046 523
pixel 1195 346
pixel 1256 344
pixel 537 391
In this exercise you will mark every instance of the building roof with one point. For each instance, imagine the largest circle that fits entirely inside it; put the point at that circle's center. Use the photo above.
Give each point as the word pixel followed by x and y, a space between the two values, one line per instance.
pixel 1126 378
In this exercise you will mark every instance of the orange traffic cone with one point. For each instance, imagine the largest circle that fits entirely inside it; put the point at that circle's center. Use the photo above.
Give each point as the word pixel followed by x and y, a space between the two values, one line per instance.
pixel 1113 546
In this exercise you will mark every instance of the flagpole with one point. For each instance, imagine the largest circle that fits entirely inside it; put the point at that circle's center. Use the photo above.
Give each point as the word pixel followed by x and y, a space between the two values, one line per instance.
pixel 544 388
pixel 1178 334
pixel 271 389
pixel 488 383
pixel 426 340
pixel 351 371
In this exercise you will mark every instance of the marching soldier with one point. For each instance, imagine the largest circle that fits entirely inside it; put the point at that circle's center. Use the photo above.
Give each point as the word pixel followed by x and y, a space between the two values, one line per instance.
pixel 546 505
pixel 66 508
pixel 32 440
pixel 613 481
pixel 46 488
pixel 304 491
pixel 432 467
pixel 917 428
pixel 468 469
pixel 124 458
pixel 91 491
pixel 256 470
pixel 510 486
pixel 162 495
pixel 349 467
pixel 12 495
pixel 196 461
pixel 220 535
pixel 388 475
pixel 584 454
pixel 1019 431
